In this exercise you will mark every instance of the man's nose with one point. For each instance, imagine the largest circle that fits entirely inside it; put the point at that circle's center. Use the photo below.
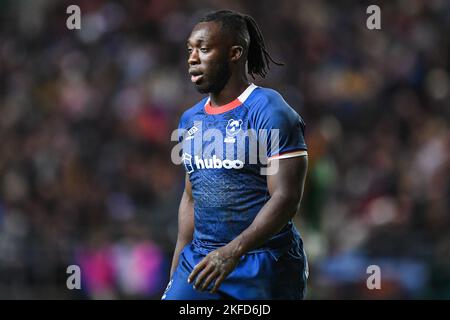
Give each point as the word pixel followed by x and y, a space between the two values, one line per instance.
pixel 193 57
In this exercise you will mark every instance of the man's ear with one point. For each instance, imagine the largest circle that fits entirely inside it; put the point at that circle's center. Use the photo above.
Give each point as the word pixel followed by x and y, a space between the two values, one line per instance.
pixel 236 53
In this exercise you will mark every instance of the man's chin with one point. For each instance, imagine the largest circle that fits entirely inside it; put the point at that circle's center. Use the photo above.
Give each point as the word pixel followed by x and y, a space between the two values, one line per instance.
pixel 202 89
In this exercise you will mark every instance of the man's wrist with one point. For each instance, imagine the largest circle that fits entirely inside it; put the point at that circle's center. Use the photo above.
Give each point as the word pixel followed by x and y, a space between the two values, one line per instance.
pixel 236 248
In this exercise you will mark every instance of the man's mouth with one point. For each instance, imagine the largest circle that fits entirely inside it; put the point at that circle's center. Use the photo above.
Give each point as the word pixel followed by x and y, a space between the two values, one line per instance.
pixel 196 76
pixel 195 79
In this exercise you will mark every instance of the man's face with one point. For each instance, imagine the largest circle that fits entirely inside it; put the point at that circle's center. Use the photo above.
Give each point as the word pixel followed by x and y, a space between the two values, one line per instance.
pixel 208 49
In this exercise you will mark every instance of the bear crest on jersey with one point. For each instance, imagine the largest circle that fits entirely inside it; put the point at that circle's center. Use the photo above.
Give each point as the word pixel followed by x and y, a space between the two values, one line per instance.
pixel 232 129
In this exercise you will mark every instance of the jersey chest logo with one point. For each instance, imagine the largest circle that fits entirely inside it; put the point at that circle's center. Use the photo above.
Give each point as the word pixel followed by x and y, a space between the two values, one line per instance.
pixel 232 129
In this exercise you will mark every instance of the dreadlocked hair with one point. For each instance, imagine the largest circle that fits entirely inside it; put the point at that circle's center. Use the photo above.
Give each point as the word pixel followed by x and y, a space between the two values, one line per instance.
pixel 246 31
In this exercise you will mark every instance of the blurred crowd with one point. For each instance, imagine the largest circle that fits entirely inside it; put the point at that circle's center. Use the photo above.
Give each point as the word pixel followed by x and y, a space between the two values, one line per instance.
pixel 86 176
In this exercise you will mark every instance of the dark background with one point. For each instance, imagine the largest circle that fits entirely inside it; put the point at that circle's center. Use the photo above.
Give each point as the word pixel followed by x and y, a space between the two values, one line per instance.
pixel 86 115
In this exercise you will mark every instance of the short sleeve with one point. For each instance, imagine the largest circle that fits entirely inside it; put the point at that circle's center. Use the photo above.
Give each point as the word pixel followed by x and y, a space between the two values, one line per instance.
pixel 181 130
pixel 182 127
pixel 281 128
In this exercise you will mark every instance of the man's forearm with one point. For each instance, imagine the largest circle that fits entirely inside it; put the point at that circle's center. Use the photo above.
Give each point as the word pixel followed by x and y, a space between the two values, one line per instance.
pixel 274 215
pixel 185 225
pixel 181 243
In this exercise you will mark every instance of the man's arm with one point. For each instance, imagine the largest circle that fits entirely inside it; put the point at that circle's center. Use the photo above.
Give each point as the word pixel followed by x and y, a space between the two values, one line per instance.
pixel 286 190
pixel 185 223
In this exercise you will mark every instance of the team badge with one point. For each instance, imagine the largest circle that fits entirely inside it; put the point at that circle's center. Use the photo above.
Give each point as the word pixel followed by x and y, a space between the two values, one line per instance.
pixel 232 129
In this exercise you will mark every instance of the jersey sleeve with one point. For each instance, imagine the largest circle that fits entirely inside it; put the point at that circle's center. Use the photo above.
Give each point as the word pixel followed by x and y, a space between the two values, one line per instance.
pixel 181 130
pixel 183 127
pixel 281 128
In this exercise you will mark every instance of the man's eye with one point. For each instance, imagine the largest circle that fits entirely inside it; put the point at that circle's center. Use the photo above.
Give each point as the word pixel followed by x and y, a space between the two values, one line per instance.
pixel 204 50
pixel 189 50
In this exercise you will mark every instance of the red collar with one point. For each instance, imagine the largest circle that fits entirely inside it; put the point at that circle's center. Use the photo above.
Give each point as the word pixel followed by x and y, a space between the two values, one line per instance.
pixel 221 109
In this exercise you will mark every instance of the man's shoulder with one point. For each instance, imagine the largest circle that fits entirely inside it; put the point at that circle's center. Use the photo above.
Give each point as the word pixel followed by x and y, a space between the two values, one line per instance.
pixel 267 102
pixel 263 96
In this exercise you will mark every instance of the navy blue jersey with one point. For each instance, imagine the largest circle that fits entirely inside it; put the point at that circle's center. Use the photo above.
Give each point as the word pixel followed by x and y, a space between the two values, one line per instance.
pixel 229 186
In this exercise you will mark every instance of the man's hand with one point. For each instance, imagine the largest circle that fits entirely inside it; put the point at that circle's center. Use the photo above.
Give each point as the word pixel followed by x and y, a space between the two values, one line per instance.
pixel 218 264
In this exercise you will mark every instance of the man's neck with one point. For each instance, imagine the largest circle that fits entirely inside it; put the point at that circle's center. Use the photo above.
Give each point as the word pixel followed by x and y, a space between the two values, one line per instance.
pixel 232 90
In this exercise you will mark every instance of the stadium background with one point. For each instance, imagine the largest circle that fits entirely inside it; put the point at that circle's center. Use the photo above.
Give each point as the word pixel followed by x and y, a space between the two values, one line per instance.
pixel 86 176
